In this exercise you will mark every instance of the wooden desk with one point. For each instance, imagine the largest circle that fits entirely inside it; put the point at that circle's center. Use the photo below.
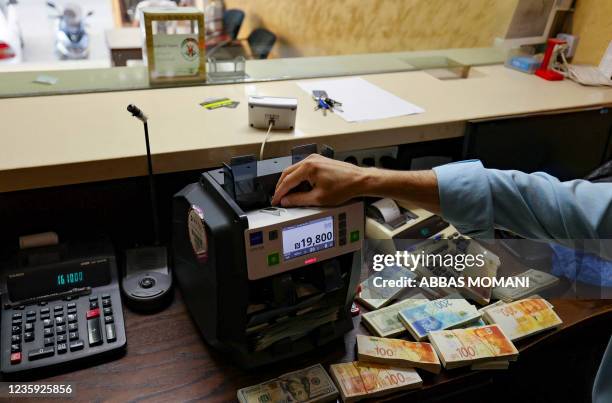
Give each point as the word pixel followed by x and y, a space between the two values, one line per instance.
pixel 167 360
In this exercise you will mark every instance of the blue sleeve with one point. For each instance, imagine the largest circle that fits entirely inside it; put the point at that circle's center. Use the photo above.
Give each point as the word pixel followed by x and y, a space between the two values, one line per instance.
pixel 536 206
pixel 602 388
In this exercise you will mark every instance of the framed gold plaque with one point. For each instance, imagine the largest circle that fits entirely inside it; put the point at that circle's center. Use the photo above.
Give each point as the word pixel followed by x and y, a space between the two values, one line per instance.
pixel 175 45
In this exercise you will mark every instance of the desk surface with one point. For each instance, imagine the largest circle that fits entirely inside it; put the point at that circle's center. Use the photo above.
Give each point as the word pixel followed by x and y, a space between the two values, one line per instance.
pixel 48 141
pixel 167 360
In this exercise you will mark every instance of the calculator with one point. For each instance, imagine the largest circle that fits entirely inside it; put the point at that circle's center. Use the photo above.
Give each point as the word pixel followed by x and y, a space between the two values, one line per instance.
pixel 61 305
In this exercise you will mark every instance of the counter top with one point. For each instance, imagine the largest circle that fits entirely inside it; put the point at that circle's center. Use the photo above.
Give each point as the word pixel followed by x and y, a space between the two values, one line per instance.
pixel 58 140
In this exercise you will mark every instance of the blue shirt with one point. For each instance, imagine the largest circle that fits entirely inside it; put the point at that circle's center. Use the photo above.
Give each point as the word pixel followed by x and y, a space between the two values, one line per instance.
pixel 535 206
pixel 477 200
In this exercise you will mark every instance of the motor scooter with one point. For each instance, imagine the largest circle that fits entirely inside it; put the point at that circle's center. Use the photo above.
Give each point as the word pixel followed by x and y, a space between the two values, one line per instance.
pixel 71 38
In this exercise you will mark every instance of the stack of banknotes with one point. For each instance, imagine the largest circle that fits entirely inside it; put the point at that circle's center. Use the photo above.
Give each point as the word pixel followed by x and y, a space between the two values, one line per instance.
pixel 476 345
pixel 311 384
pixel 538 281
pixel 440 314
pixel 449 333
pixel 397 353
pixel 523 318
pixel 362 380
pixel 374 297
pixel 385 321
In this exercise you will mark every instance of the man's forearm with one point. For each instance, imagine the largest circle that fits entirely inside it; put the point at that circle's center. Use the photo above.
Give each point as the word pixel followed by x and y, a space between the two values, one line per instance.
pixel 418 187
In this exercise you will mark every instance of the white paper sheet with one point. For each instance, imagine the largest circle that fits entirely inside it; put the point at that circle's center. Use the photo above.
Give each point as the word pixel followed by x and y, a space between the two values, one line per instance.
pixel 361 100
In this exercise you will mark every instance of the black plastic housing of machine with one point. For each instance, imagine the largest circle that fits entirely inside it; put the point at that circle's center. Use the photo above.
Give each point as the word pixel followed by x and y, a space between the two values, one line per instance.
pixel 210 247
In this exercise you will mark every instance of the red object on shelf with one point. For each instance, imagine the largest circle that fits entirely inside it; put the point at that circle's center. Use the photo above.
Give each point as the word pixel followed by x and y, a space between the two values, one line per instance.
pixel 545 71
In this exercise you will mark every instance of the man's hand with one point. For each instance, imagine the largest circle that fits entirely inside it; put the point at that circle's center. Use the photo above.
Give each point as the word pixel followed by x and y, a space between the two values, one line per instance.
pixel 333 182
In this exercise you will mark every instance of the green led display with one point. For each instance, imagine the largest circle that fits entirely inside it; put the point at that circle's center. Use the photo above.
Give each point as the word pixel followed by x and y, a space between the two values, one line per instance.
pixel 75 277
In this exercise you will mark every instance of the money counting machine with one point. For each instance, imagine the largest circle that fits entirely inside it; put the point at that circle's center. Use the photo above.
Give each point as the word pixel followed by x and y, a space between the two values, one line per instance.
pixel 264 283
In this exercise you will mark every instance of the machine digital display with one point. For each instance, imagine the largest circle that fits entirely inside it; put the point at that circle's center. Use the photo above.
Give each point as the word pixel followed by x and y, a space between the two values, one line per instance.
pixel 308 237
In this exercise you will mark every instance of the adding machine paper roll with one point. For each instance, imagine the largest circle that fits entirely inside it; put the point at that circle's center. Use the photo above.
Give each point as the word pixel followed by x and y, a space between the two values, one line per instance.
pixel 388 208
pixel 37 240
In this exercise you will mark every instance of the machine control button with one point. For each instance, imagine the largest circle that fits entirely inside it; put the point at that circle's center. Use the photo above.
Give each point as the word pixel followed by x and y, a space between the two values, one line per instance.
pixel 273 259
pixel 256 238
pixel 355 236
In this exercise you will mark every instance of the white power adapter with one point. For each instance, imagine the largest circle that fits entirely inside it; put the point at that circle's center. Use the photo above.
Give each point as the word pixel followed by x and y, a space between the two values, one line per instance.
pixel 277 112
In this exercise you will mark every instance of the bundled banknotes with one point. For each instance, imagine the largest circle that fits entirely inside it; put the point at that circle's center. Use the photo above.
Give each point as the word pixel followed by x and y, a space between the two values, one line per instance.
pixel 397 353
pixel 360 380
pixel 440 314
pixel 538 280
pixel 311 384
pixel 476 345
pixel 523 318
pixel 374 294
pixel 385 322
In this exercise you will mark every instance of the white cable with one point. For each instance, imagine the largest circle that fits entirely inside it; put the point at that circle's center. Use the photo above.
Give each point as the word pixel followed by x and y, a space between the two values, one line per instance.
pixel 263 144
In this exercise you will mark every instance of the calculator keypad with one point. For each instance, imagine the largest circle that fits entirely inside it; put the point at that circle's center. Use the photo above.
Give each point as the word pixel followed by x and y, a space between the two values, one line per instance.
pixel 59 327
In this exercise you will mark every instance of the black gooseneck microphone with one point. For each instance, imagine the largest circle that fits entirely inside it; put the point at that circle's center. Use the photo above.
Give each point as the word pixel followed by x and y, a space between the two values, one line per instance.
pixel 138 114
pixel 147 279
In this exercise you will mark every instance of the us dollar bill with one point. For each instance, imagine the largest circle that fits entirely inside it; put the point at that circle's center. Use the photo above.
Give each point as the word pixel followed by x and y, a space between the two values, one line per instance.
pixel 311 384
